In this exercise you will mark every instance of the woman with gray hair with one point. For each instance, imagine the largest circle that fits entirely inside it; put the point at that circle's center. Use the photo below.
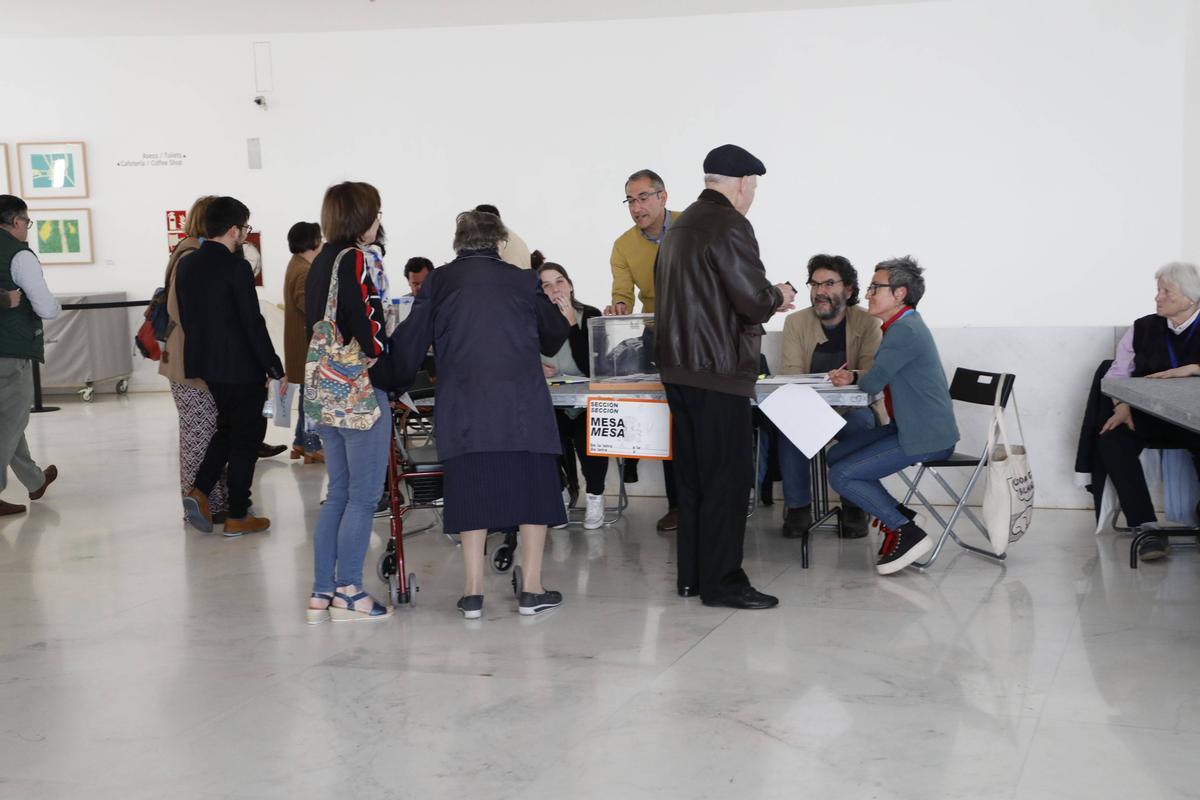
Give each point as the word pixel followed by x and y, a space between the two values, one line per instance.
pixel 908 370
pixel 496 432
pixel 1165 344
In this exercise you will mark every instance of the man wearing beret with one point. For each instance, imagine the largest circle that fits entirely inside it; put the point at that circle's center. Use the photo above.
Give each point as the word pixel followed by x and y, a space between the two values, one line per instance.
pixel 712 296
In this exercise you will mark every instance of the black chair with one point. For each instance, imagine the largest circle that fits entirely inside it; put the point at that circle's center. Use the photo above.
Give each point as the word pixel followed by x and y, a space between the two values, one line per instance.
pixel 977 388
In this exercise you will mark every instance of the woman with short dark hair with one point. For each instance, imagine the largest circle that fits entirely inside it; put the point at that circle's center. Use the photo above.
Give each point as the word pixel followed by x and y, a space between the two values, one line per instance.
pixel 304 241
pixel 908 370
pixel 355 460
pixel 495 423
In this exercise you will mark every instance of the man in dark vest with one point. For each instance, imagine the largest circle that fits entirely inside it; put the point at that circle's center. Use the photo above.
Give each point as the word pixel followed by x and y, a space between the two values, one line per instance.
pixel 227 345
pixel 21 342
pixel 712 296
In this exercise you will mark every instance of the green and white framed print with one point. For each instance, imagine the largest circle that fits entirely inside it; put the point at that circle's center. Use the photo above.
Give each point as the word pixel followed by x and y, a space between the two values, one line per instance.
pixel 52 170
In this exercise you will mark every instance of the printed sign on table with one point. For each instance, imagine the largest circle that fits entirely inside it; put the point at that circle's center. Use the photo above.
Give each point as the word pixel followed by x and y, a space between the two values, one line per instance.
pixel 628 427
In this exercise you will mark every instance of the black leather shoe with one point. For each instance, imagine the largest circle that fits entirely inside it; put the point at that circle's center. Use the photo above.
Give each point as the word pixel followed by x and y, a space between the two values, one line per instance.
pixel 270 450
pixel 766 493
pixel 747 598
pixel 797 521
pixel 854 522
pixel 687 591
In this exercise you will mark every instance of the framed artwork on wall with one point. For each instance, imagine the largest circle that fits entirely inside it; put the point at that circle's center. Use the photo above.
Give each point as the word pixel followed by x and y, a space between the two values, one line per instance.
pixel 52 170
pixel 61 235
pixel 5 182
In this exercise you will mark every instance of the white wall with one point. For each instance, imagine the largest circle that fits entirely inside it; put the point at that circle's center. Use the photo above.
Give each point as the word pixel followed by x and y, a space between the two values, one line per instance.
pixel 1030 153
pixel 1191 186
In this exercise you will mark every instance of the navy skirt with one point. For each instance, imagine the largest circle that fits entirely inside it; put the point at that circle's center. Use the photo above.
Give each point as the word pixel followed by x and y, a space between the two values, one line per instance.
pixel 501 490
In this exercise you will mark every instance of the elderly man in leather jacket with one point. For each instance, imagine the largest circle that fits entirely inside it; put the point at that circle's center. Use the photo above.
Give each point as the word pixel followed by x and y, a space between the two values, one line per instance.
pixel 712 297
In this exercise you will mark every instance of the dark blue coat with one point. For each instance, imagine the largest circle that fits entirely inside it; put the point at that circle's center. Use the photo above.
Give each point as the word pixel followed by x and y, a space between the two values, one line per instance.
pixel 487 321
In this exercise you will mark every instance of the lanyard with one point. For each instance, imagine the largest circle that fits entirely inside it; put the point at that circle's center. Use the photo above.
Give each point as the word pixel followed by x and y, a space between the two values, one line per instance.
pixel 1187 337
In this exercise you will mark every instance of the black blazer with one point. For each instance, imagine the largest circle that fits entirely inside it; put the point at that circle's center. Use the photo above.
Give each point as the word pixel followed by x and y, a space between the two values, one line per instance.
pixel 225 335
pixel 487 321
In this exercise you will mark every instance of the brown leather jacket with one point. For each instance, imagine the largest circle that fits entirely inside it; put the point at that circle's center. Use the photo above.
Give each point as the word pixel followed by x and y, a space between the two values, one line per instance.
pixel 711 298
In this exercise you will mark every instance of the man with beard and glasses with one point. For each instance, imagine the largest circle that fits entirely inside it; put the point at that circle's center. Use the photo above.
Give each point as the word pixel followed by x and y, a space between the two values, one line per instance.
pixel 830 334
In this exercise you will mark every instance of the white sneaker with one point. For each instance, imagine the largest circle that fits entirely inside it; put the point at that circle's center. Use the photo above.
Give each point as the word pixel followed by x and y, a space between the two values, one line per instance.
pixel 594 517
pixel 566 496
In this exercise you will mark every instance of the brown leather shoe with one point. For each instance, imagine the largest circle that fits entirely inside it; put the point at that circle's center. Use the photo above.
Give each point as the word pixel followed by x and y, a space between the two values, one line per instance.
pixel 195 510
pixel 51 474
pixel 314 457
pixel 297 452
pixel 247 524
pixel 669 521
pixel 10 508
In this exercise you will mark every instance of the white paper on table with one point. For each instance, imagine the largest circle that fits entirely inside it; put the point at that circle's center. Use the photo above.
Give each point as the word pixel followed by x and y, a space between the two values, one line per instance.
pixel 281 404
pixel 407 401
pixel 803 417
pixel 815 378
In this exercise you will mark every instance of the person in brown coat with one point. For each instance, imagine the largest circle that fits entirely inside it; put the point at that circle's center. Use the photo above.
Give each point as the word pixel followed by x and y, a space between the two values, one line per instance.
pixel 195 405
pixel 304 240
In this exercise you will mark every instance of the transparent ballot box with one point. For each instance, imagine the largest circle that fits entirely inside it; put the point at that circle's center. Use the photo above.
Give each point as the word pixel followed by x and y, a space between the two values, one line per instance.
pixel 621 352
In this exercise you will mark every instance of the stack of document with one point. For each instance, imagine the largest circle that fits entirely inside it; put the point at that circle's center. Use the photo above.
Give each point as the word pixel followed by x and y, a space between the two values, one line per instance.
pixel 810 378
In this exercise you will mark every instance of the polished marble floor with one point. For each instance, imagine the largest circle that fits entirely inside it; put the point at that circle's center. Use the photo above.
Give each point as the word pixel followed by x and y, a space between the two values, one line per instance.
pixel 140 659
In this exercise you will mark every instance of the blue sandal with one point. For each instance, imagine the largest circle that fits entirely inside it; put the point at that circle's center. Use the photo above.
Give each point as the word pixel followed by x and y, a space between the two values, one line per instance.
pixel 349 614
pixel 315 616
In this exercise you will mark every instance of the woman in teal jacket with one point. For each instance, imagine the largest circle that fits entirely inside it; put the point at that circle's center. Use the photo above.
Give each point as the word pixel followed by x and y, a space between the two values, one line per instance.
pixel 909 372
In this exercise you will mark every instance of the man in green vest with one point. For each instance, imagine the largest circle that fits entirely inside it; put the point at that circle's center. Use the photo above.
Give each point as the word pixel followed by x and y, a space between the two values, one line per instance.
pixel 21 342
pixel 632 264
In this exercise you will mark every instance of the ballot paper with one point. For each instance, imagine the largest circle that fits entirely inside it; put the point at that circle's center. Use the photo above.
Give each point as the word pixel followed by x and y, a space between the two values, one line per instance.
pixel 281 404
pixel 815 378
pixel 803 417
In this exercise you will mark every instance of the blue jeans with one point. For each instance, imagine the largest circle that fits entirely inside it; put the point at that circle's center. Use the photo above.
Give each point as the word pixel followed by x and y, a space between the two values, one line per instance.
pixel 356 462
pixel 307 439
pixel 794 465
pixel 858 463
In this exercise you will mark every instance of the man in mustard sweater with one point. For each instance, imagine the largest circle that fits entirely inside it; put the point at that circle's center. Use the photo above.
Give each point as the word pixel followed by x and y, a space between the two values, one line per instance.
pixel 632 262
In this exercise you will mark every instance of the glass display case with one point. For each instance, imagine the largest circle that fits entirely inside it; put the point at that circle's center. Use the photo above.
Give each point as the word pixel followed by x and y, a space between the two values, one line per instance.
pixel 621 352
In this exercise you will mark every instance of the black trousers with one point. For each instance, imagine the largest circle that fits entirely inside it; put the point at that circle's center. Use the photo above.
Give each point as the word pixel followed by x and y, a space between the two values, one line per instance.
pixel 574 431
pixel 1119 450
pixel 240 429
pixel 714 470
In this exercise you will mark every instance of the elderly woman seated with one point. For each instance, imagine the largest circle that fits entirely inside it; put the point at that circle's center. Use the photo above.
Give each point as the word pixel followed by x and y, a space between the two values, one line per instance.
pixel 1164 345
pixel 908 370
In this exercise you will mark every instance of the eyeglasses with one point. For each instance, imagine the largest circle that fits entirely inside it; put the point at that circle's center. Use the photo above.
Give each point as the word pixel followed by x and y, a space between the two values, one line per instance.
pixel 28 222
pixel 641 198
pixel 872 288
pixel 826 285
pixel 249 229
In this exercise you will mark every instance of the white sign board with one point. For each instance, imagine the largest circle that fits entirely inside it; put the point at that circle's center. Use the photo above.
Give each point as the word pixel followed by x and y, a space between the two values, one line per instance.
pixel 628 427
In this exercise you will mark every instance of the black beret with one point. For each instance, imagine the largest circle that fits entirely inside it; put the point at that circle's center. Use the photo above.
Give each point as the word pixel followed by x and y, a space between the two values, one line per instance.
pixel 733 161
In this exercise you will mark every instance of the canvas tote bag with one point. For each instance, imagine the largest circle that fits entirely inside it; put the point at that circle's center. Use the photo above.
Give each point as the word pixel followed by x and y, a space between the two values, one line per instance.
pixel 337 388
pixel 1008 497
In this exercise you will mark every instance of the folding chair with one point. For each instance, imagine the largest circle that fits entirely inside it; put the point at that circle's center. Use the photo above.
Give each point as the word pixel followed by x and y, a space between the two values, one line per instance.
pixel 978 388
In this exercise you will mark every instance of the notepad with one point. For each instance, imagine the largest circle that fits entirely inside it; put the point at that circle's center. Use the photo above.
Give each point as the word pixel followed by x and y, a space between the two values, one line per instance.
pixel 803 417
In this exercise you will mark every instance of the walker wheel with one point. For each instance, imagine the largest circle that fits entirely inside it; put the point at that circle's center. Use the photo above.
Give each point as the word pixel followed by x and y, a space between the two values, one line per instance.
pixel 393 584
pixel 502 558
pixel 413 588
pixel 385 568
pixel 518 582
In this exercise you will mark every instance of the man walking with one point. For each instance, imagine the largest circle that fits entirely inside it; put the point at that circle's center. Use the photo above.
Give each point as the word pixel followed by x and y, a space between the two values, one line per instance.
pixel 226 343
pixel 21 342
pixel 712 297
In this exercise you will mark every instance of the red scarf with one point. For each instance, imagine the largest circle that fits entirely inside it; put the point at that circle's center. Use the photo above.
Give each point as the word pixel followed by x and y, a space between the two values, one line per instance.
pixel 887 390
